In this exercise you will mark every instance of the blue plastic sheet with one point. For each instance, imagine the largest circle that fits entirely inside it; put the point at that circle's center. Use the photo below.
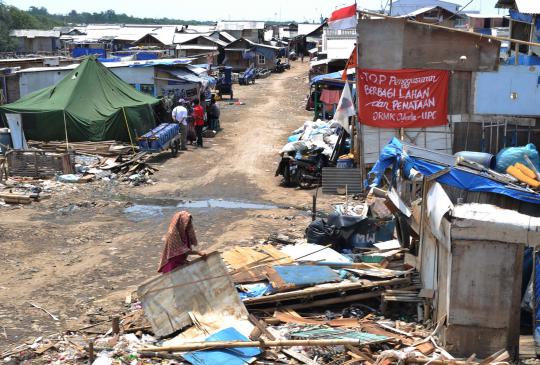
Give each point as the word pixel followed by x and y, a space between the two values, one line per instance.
pixel 233 356
pixel 306 275
pixel 254 290
pixel 393 155
pixel 511 155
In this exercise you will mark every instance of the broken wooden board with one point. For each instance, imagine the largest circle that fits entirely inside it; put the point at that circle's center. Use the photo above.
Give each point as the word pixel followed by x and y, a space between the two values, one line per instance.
pixel 291 318
pixel 199 291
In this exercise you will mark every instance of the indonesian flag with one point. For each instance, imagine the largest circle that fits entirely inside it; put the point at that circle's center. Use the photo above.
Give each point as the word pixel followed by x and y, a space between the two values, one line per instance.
pixel 343 18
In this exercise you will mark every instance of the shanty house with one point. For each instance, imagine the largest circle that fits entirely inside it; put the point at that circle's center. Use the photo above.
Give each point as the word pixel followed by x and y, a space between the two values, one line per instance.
pixel 485 23
pixel 250 30
pixel 213 49
pixel 524 25
pixel 403 7
pixel 436 15
pixel 243 53
pixel 33 40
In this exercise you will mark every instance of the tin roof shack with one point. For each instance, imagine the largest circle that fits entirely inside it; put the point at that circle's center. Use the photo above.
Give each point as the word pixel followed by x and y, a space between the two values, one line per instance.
pixel 402 7
pixel 394 44
pixel 523 26
pixel 471 258
pixel 484 23
pixel 186 82
pixel 34 41
pixel 212 50
pixel 435 15
pixel 243 53
pixel 309 37
pixel 251 30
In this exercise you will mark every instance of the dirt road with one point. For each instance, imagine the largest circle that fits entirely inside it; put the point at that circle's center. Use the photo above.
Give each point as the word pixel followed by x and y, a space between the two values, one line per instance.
pixel 79 253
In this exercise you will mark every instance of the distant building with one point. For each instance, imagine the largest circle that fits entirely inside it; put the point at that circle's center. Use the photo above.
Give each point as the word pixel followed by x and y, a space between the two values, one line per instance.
pixel 436 15
pixel 250 30
pixel 524 25
pixel 33 40
pixel 243 53
pixel 210 50
pixel 486 23
pixel 404 7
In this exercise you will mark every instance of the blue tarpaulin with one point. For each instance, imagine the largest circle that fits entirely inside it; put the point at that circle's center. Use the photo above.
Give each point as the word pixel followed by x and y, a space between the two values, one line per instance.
pixel 392 155
pixel 333 78
pixel 79 52
pixel 306 275
pixel 233 356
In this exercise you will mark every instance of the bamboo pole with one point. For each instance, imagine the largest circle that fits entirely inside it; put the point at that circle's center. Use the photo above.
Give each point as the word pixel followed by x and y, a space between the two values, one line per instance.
pixel 129 131
pixel 194 346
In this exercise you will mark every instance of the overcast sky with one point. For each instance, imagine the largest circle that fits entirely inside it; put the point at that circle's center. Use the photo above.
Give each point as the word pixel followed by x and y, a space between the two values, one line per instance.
pixel 298 10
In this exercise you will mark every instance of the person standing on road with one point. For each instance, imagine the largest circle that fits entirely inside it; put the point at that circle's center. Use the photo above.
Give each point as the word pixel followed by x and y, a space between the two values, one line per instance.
pixel 198 121
pixel 213 114
pixel 180 115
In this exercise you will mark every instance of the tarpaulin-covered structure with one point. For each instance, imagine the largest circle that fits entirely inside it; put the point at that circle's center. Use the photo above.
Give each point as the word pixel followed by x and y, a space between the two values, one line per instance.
pixel 89 104
pixel 395 155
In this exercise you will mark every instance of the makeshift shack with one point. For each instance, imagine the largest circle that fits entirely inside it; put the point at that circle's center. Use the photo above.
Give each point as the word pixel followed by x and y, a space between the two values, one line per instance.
pixel 89 104
pixel 399 45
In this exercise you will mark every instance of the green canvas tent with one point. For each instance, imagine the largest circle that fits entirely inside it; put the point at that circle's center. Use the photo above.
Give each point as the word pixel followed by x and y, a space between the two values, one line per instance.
pixel 89 104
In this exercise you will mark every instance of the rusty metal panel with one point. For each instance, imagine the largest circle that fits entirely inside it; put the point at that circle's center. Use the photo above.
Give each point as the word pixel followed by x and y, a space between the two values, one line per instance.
pixel 380 43
pixel 397 43
pixel 435 48
pixel 201 290
pixel 485 290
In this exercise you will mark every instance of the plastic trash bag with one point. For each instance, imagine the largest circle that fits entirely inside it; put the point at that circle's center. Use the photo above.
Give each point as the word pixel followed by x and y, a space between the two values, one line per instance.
pixel 320 232
pixel 510 155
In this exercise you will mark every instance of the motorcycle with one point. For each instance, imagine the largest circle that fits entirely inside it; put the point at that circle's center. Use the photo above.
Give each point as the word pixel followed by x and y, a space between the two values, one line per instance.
pixel 306 171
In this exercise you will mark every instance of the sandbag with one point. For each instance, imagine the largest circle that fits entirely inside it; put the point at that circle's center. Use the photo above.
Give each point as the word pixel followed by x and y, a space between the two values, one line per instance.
pixel 511 155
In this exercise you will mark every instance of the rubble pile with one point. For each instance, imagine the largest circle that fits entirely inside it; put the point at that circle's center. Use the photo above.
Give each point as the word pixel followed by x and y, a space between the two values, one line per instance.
pixel 283 301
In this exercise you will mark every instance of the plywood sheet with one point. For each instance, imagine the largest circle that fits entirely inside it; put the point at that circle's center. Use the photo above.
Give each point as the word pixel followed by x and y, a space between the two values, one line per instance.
pixel 200 291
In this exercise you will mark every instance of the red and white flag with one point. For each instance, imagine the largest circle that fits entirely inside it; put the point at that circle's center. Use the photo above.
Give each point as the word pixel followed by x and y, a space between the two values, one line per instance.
pixel 343 18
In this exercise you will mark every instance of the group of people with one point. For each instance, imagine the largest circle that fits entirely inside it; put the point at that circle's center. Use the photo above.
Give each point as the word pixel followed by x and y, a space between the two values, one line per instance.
pixel 193 116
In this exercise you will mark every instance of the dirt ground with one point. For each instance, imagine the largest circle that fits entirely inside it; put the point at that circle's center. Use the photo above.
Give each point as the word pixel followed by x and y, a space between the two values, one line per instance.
pixel 80 253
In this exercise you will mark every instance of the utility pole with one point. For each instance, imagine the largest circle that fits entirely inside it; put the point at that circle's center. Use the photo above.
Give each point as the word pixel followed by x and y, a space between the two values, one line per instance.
pixel 390 11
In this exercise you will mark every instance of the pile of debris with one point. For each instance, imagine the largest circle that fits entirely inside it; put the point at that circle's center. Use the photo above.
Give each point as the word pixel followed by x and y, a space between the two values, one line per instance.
pixel 279 302
pixel 34 174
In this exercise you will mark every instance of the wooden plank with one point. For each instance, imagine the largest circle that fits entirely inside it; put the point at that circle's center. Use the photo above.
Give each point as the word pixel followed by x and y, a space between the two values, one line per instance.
pixel 326 289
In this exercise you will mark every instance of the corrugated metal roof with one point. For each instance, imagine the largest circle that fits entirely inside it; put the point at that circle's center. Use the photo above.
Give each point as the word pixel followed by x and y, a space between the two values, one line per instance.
pixel 196 46
pixel 239 25
pixel 304 29
pixel 227 36
pixel 34 33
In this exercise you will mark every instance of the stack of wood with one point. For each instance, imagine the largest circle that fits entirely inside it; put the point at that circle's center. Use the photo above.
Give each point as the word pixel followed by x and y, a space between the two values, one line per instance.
pixel 103 148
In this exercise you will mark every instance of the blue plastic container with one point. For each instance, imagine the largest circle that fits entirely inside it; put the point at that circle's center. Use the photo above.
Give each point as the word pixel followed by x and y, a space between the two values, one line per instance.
pixel 344 163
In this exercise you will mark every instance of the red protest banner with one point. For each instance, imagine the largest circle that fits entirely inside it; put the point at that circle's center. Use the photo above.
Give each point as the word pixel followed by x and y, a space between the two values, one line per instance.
pixel 403 98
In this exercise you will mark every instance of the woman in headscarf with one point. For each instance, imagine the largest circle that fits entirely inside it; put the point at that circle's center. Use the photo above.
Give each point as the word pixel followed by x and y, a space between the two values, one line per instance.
pixel 179 242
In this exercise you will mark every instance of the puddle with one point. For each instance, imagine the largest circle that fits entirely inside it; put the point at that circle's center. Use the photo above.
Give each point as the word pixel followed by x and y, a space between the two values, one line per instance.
pixel 140 212
pixel 151 211
pixel 224 204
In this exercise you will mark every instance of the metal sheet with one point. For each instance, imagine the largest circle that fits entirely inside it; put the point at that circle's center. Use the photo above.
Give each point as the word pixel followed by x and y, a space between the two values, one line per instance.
pixel 306 275
pixel 335 179
pixel 202 289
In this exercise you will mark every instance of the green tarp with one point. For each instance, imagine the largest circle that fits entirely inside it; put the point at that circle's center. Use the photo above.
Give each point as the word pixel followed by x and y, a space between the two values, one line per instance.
pixel 89 104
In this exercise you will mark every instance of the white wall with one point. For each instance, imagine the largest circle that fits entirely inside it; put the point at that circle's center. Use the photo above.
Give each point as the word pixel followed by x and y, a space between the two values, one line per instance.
pixel 32 81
